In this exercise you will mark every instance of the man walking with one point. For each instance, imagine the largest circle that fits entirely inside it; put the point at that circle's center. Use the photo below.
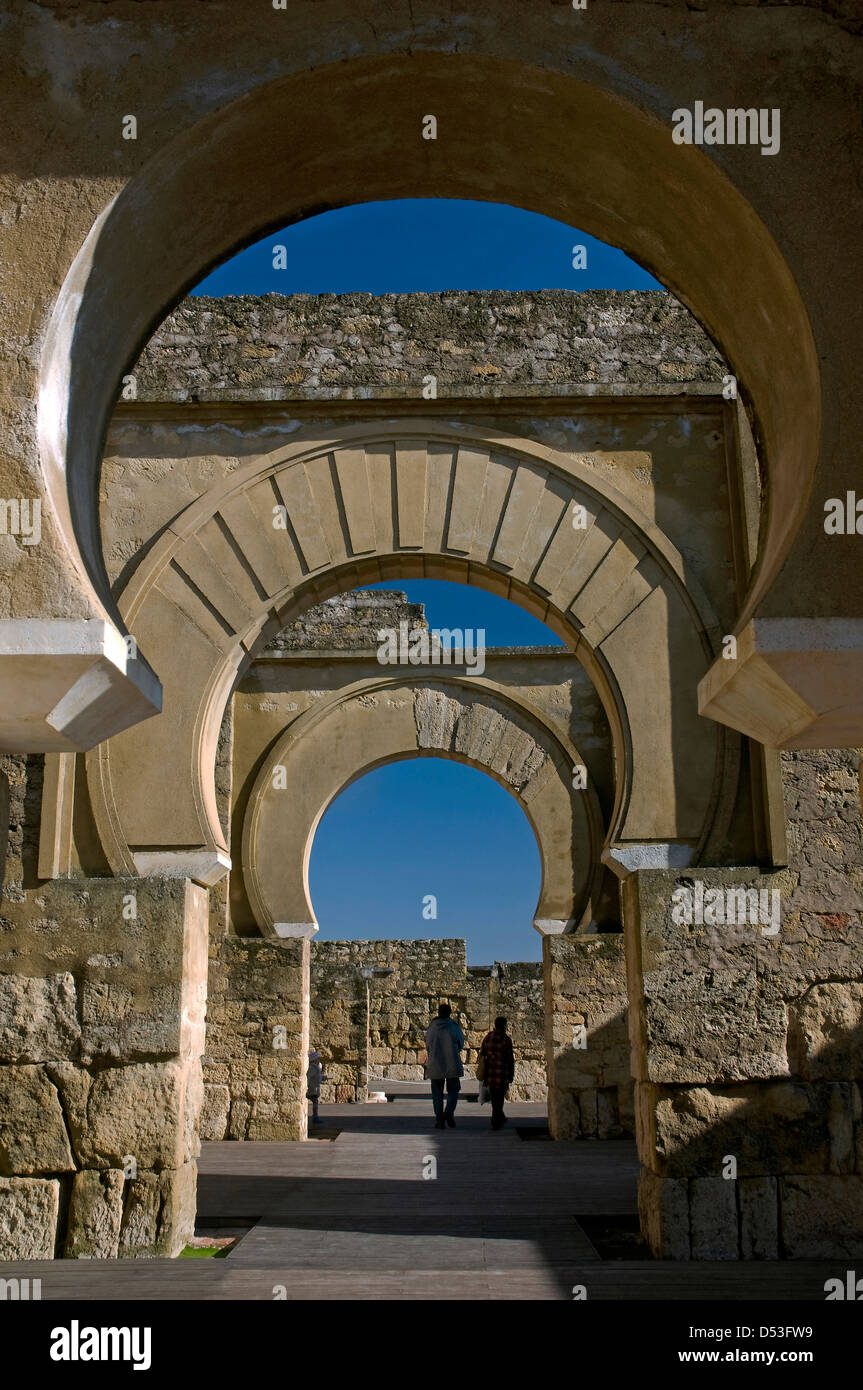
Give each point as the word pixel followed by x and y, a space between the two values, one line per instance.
pixel 444 1043
pixel 496 1048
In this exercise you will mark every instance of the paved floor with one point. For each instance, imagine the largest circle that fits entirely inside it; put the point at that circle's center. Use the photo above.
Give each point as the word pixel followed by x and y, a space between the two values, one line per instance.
pixel 394 1209
pixel 393 1203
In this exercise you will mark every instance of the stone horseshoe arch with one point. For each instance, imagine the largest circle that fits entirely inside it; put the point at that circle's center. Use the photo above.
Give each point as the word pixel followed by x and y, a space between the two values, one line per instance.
pixel 404 498
pixel 377 722
pixel 616 173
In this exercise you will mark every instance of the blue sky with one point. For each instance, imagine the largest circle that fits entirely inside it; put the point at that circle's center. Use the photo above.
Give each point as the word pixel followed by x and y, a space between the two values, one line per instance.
pixel 461 605
pixel 425 244
pixel 428 826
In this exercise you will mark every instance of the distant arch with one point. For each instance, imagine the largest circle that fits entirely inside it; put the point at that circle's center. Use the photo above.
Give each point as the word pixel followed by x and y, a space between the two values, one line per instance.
pixel 375 722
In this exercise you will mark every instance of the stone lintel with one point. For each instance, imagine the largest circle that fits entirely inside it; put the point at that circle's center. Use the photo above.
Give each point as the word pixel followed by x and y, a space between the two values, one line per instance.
pixel 295 929
pixel 627 858
pixel 205 866
pixel 795 683
pixel 552 926
pixel 67 685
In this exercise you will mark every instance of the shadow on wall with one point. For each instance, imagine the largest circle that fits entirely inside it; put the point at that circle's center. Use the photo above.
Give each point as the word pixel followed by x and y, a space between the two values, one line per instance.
pixel 21 779
pixel 764 1170
pixel 592 1091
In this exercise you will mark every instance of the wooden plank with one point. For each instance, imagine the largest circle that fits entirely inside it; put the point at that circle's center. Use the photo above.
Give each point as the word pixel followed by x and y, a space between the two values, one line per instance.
pixel 354 1220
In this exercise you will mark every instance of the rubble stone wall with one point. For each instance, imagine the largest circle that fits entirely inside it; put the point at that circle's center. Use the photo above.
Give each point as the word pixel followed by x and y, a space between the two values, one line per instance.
pixel 255 1088
pixel 323 346
pixel 257 1039
pixel 401 1006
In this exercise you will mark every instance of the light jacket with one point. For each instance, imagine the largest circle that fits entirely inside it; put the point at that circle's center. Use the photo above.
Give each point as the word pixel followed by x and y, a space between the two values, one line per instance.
pixel 444 1041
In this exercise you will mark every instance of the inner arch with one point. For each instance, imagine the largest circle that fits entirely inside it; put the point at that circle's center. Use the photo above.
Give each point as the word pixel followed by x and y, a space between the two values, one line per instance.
pixel 428 847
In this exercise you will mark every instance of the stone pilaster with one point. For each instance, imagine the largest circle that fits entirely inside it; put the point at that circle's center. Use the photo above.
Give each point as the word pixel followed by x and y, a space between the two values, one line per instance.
pixel 100 1067
pixel 745 1050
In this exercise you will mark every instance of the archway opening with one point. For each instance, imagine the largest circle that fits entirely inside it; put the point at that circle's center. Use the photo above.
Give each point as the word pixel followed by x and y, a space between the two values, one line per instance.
pixel 428 847
pixel 425 876
pixel 401 914
pixel 341 517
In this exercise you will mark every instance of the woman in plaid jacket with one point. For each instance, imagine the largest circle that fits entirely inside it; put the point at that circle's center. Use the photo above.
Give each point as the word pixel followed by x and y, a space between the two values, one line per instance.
pixel 496 1048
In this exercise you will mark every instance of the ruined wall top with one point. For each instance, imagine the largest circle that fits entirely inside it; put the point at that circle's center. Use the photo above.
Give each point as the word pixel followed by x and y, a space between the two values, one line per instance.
pixel 349 622
pixel 476 342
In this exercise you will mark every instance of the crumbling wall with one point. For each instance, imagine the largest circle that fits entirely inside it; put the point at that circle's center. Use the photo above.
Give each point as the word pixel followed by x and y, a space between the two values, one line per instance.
pixel 299 346
pixel 254 1091
pixel 401 1006
pixel 257 1039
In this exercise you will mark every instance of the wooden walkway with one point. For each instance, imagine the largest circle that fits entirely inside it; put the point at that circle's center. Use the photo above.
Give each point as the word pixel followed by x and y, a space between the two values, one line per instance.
pixel 358 1218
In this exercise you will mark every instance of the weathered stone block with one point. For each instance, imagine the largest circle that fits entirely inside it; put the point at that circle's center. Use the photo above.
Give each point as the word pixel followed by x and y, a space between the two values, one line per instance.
pixel 713 1219
pixel 564 1120
pixel 29 1210
pixel 276 1124
pixel 73 1084
pixel 759 1218
pixel 663 1209
pixel 177 1187
pixel 821 1217
pixel 214 1112
pixel 95 1214
pixel 694 987
pixel 841 1127
pixel 147 1110
pixel 238 1122
pixel 587 1112
pixel 33 1137
pixel 626 1107
pixel 38 1017
pixel 777 1127
pixel 121 1024
pixel 826 1031
pixel 140 1226
pixel 607 1119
